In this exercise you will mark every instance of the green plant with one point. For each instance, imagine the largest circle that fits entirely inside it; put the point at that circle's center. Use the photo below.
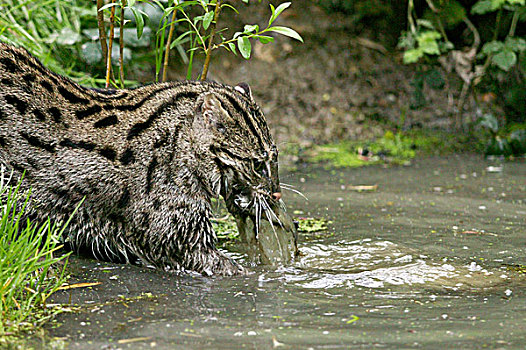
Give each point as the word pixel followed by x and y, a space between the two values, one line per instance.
pixel 201 18
pixel 29 267
pixel 502 141
pixel 391 148
pixel 51 30
pixel 225 228
pixel 427 40
pixel 66 35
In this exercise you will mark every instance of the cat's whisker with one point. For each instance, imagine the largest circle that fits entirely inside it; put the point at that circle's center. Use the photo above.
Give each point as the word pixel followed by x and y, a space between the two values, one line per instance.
pixel 288 185
pixel 295 191
pixel 258 215
pixel 268 209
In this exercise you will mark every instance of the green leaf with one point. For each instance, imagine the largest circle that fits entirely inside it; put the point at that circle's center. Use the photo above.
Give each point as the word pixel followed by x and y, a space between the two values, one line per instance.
pixel 481 7
pixel 230 7
pixel 446 46
pixel 516 2
pixel 425 23
pixel 406 40
pixel 181 39
pixel 207 20
pixel 244 46
pixel 265 39
pixel 515 44
pixel 245 1
pixel 139 20
pixel 505 60
pixel 250 28
pixel 492 47
pixel 413 55
pixel 107 6
pixel 427 41
pixel 287 32
pixel 197 19
pixel 276 12
pixel 485 6
pixel 232 47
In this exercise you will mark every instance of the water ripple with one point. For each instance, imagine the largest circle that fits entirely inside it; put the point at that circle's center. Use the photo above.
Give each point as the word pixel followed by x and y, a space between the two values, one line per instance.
pixel 377 264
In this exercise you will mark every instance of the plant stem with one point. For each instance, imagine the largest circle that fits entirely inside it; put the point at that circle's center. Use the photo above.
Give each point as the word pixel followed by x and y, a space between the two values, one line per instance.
pixel 121 45
pixel 466 87
pixel 201 41
pixel 102 30
pixel 473 29
pixel 217 10
pixel 497 25
pixel 168 42
pixel 191 60
pixel 110 46
pixel 250 36
pixel 495 37
pixel 410 20
pixel 513 25
pixel 437 17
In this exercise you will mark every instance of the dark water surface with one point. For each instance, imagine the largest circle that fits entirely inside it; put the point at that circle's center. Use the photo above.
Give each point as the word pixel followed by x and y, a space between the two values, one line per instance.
pixel 422 262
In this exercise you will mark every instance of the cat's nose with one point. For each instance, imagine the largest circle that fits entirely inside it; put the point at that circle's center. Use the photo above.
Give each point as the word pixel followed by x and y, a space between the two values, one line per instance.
pixel 276 195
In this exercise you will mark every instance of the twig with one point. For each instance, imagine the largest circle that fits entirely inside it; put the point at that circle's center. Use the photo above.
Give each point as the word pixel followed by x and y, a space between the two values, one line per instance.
pixel 102 30
pixel 168 42
pixel 196 30
pixel 410 19
pixel 110 46
pixel 513 25
pixel 476 35
pixel 371 45
pixel 468 84
pixel 217 10
pixel 466 87
pixel 437 17
pixel 121 44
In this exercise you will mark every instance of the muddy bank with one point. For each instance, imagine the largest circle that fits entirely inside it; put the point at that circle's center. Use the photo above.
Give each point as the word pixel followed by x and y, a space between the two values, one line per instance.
pixel 344 83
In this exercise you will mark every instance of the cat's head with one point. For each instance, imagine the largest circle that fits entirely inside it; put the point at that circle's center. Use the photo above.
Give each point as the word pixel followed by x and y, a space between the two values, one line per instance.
pixel 244 153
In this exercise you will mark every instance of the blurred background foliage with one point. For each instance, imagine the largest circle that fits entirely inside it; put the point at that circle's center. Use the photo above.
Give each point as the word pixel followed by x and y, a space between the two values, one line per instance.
pixel 482 43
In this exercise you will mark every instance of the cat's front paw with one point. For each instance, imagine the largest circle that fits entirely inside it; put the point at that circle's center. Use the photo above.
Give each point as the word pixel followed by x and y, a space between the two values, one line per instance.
pixel 224 266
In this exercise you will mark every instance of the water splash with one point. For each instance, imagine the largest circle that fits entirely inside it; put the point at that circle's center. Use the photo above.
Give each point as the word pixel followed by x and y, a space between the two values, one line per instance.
pixel 379 264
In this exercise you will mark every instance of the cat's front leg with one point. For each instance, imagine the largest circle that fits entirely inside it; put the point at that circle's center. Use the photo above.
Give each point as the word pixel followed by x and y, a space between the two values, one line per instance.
pixel 180 236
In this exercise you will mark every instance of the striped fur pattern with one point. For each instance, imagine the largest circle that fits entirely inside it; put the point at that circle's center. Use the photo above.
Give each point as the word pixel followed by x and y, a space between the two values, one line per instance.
pixel 146 160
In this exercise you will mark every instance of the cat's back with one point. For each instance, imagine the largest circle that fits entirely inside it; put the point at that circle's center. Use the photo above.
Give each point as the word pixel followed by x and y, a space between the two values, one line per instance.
pixel 48 121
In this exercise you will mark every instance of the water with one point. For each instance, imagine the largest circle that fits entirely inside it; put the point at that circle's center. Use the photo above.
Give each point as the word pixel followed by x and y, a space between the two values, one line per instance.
pixel 422 262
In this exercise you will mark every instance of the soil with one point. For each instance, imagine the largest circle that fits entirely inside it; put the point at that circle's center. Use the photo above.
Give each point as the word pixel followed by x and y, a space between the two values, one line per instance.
pixel 343 83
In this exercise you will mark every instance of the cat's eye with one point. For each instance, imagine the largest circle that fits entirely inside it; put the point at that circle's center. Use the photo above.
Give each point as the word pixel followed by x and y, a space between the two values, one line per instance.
pixel 260 167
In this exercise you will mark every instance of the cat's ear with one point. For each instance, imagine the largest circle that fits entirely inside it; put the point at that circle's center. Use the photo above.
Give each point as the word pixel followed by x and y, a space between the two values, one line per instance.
pixel 244 89
pixel 211 107
pixel 214 115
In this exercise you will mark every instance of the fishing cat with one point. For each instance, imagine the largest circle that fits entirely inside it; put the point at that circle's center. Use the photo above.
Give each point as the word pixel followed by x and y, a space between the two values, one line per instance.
pixel 147 161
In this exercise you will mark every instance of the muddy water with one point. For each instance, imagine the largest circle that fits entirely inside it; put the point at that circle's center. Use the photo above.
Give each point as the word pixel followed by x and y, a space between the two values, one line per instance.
pixel 422 262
